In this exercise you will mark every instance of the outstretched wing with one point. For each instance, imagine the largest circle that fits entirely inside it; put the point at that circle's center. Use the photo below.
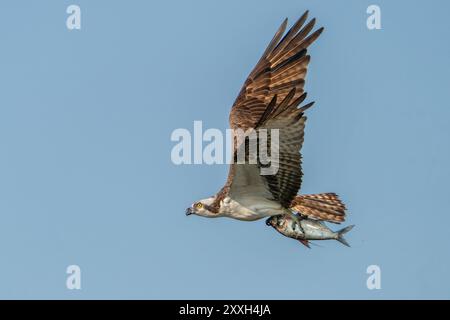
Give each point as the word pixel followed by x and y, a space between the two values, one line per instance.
pixel 269 100
pixel 281 68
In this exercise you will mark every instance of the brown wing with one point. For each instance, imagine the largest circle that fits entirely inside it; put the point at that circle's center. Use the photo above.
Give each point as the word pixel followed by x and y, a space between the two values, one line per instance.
pixel 281 68
pixel 290 123
pixel 245 180
pixel 278 76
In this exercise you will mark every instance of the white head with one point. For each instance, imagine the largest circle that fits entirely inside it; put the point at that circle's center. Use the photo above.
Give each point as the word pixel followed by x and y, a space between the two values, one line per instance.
pixel 203 208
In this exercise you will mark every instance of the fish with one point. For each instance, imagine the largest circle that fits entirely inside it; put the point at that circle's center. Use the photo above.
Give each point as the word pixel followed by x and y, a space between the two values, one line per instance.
pixel 309 229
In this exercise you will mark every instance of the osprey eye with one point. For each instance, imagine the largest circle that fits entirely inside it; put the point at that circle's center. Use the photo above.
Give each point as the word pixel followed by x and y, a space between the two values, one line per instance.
pixel 199 205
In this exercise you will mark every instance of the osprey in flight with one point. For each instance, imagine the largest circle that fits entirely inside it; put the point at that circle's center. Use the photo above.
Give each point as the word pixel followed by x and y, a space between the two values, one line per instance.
pixel 270 99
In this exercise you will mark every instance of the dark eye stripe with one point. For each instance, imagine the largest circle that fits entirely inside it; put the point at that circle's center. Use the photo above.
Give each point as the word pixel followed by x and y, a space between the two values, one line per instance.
pixel 209 208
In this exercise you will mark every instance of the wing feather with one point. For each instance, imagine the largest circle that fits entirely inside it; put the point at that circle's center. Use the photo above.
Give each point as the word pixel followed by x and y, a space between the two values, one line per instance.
pixel 269 99
pixel 282 67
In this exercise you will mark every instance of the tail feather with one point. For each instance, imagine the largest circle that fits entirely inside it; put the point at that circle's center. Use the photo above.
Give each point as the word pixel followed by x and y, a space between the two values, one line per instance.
pixel 340 235
pixel 323 206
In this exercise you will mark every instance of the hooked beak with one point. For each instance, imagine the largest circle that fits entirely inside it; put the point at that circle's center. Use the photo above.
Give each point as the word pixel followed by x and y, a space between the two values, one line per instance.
pixel 189 211
pixel 268 222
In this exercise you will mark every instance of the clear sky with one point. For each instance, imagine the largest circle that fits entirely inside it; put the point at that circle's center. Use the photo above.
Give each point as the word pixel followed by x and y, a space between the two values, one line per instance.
pixel 86 176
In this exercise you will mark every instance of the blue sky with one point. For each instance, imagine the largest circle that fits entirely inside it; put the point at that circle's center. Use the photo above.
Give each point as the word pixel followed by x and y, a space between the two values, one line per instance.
pixel 86 176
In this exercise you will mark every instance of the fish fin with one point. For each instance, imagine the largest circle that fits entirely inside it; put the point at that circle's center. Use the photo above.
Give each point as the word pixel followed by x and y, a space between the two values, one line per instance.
pixel 305 243
pixel 340 235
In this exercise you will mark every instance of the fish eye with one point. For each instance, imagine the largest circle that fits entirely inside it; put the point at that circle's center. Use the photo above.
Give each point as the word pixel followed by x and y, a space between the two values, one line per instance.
pixel 198 205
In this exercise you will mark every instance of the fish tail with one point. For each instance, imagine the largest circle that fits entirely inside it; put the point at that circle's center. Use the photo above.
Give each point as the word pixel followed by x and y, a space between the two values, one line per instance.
pixel 321 206
pixel 340 235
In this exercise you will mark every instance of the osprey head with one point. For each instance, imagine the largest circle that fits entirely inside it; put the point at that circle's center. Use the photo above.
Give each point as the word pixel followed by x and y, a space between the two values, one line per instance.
pixel 202 208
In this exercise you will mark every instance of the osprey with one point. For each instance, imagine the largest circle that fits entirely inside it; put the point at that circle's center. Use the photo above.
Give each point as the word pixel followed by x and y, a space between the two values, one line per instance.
pixel 270 99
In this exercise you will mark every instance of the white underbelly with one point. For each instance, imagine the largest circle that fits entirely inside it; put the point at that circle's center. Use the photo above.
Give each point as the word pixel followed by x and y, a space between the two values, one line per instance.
pixel 250 209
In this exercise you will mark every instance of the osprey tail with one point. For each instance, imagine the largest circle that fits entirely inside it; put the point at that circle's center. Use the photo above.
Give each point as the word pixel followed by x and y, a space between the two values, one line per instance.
pixel 322 206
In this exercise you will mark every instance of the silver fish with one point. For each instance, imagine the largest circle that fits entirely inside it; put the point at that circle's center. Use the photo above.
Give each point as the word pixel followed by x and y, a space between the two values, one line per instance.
pixel 308 230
